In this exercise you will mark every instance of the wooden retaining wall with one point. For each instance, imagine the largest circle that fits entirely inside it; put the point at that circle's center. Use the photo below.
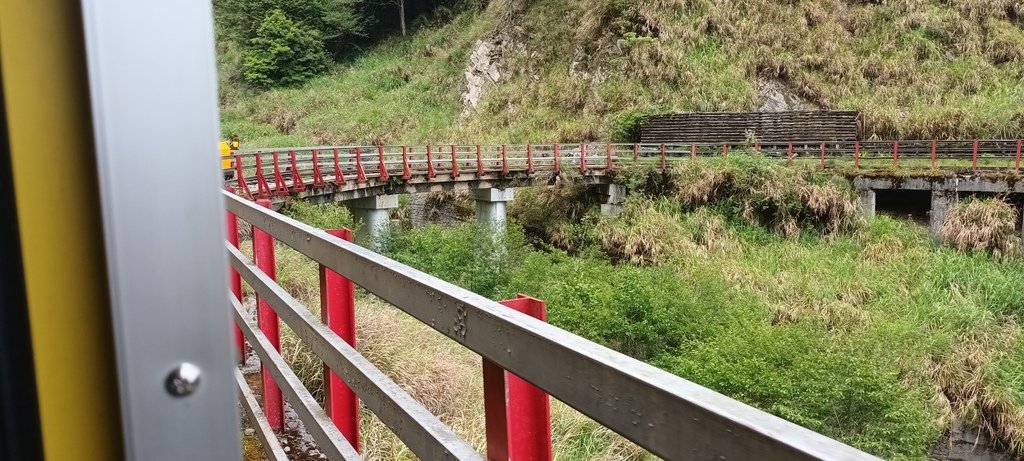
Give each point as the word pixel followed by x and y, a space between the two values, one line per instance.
pixel 733 127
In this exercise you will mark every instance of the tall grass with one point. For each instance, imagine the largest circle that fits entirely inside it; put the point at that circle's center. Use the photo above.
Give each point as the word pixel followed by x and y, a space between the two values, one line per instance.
pixel 988 225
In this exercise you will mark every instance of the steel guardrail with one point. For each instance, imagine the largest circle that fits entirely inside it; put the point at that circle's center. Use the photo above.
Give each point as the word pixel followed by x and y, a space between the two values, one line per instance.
pixel 663 413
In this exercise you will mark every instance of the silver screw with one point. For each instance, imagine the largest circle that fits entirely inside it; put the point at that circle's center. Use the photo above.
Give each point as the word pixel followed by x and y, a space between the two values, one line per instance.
pixel 183 380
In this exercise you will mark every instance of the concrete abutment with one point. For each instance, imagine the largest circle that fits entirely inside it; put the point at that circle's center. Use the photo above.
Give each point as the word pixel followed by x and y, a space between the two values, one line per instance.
pixel 374 214
pixel 491 207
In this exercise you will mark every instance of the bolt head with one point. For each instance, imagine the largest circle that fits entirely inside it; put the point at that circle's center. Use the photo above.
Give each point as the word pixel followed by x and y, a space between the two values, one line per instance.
pixel 183 380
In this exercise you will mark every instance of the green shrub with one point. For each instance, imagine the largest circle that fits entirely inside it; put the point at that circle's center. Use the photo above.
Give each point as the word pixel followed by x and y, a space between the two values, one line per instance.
pixel 820 382
pixel 282 53
pixel 463 255
pixel 325 216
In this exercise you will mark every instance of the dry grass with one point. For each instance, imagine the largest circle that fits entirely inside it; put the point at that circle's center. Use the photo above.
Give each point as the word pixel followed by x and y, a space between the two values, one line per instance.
pixel 762 192
pixel 438 372
pixel 984 225
pixel 964 380
pixel 650 232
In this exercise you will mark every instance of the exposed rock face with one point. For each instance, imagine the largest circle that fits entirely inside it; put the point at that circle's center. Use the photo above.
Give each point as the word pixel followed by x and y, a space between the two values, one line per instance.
pixel 964 443
pixel 778 98
pixel 483 69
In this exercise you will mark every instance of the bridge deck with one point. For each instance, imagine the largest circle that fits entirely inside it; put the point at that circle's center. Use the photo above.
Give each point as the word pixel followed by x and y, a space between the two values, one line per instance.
pixel 338 173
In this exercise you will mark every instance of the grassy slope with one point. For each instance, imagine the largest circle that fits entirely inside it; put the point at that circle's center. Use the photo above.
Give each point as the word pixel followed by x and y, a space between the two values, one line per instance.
pixel 877 339
pixel 916 68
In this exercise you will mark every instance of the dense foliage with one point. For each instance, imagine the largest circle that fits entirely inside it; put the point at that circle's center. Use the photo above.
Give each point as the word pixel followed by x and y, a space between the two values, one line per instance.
pixel 864 331
pixel 848 336
pixel 282 53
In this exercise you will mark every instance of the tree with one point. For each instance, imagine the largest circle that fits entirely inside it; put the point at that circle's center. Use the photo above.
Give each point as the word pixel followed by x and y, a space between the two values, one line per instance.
pixel 401 15
pixel 282 53
pixel 339 23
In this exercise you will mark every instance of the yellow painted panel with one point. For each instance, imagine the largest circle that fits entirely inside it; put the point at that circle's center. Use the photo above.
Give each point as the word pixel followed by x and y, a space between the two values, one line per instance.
pixel 45 86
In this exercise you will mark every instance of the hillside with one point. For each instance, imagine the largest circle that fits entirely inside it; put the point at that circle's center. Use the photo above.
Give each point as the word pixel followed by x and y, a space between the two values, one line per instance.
pixel 551 70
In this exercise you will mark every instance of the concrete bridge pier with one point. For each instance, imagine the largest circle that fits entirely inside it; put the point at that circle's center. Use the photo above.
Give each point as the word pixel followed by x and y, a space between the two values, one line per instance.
pixel 612 197
pixel 490 207
pixel 375 215
pixel 942 201
pixel 867 201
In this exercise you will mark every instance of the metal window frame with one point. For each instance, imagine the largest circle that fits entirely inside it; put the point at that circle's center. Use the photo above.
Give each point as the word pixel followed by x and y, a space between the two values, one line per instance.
pixel 152 81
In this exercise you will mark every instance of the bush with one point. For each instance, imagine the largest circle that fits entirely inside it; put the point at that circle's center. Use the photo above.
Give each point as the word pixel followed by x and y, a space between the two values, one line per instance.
pixel 326 216
pixel 282 53
pixel 762 191
pixel 827 385
pixel 463 255
pixel 987 225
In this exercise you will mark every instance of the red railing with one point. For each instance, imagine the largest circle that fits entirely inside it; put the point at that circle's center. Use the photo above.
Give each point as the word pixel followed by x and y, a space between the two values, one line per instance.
pixel 517 414
pixel 359 166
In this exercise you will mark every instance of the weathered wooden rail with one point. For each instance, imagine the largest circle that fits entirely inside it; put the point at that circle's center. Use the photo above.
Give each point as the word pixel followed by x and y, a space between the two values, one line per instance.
pixel 665 414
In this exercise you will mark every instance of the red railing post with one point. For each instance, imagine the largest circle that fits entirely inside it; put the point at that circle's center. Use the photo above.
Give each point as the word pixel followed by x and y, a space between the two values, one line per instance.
pixel 517 414
pixel 242 184
pixel 430 162
pixel 339 175
pixel 896 154
pixel 298 184
pixel 856 154
pixel 360 174
pixel 504 159
pixel 236 282
pixel 318 177
pixel 608 163
pixel 974 157
pixel 479 162
pixel 583 158
pixel 338 311
pixel 1016 162
pixel 263 250
pixel 933 154
pixel 262 187
pixel 382 169
pixel 557 166
pixel 725 150
pixel 662 157
pixel 757 148
pixel 406 172
pixel 693 151
pixel 280 188
pixel 822 156
pixel 636 152
pixel 529 159
pixel 455 163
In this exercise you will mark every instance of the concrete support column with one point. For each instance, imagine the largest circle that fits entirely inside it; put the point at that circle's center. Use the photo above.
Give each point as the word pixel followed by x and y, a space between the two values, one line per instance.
pixel 867 201
pixel 942 201
pixel 375 215
pixel 612 197
pixel 490 206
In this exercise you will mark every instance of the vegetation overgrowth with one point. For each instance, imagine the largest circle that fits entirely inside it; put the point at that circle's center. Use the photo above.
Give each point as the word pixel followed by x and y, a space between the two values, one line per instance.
pixel 985 225
pixel 438 372
pixel 570 71
pixel 872 334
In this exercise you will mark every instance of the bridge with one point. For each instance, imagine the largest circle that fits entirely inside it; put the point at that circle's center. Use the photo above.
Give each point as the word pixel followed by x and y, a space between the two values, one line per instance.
pixel 367 178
